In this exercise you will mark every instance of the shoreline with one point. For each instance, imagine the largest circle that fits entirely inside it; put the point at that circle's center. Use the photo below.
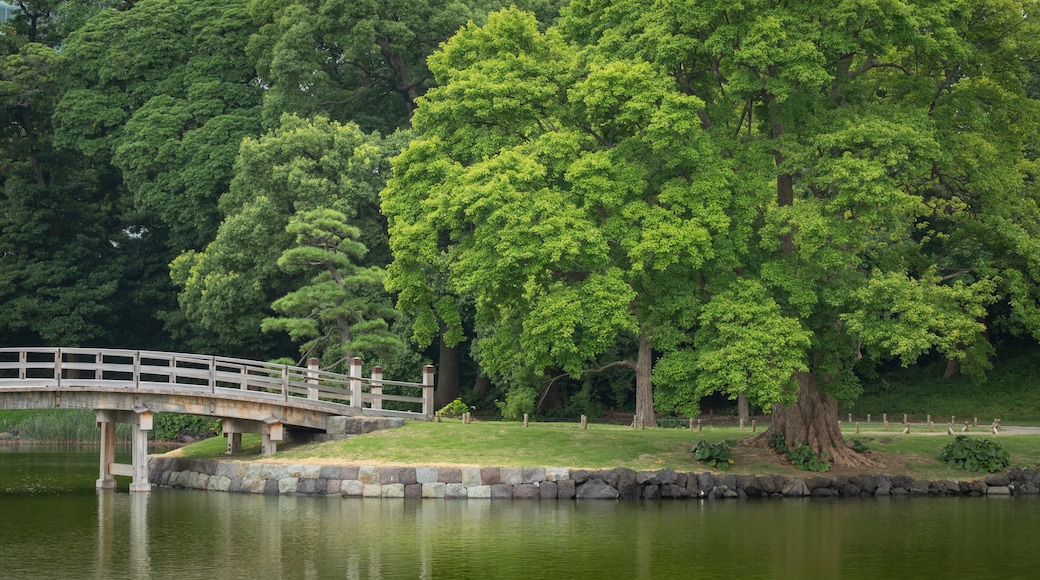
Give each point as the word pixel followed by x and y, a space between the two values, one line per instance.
pixel 556 483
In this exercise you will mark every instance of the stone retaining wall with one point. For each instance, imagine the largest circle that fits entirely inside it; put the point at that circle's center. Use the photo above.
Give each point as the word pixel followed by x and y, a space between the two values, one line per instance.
pixel 553 482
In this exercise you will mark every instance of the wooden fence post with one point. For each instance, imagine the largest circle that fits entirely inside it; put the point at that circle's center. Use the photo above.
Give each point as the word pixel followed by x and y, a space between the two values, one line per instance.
pixel 377 387
pixel 355 383
pixel 312 378
pixel 427 393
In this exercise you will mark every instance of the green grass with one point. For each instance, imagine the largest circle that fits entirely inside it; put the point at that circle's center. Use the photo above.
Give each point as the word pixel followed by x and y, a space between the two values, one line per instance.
pixel 502 444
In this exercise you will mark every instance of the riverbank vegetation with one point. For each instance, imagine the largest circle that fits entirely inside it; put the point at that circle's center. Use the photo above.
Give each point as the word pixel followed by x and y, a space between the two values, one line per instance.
pixel 508 444
pixel 79 426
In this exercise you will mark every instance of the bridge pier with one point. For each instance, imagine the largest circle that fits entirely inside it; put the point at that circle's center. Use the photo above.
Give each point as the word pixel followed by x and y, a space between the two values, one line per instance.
pixel 141 420
pixel 271 431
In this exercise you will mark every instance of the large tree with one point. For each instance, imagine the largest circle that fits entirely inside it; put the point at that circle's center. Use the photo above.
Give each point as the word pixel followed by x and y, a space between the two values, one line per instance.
pixel 566 194
pixel 362 61
pixel 163 91
pixel 301 166
pixel 877 139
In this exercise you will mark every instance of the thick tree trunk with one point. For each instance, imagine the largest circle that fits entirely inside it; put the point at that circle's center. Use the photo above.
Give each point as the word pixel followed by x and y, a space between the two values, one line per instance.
pixel 482 386
pixel 743 409
pixel 813 419
pixel 953 368
pixel 645 417
pixel 447 389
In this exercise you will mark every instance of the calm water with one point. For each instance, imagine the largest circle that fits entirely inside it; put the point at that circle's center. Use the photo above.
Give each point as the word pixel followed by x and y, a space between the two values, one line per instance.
pixel 53 524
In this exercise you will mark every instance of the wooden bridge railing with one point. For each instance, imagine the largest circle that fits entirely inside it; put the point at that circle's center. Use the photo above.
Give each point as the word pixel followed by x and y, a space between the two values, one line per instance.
pixel 185 373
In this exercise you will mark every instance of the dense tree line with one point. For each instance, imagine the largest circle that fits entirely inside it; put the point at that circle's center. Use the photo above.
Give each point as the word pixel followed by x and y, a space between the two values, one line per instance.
pixel 564 200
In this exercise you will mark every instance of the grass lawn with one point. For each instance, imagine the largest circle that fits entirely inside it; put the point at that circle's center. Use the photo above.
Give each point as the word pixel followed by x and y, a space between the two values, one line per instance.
pixel 505 444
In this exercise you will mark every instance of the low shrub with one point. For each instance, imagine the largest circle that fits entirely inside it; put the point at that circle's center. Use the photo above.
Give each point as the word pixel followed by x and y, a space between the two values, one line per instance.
pixel 454 409
pixel 974 454
pixel 805 458
pixel 718 455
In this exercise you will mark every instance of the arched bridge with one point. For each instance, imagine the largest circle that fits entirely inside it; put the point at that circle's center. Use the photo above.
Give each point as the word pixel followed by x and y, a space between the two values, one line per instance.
pixel 127 386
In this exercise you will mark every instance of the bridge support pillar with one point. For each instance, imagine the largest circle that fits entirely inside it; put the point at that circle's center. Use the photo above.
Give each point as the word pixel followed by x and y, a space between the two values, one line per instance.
pixel 141 419
pixel 108 454
pixel 270 430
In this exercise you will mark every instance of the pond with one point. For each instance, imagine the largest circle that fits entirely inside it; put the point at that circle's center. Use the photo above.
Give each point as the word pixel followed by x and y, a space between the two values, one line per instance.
pixel 54 524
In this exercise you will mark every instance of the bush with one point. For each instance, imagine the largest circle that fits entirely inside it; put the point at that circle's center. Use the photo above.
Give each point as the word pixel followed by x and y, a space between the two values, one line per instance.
pixel 717 455
pixel 778 444
pixel 973 454
pixel 805 458
pixel 519 400
pixel 454 409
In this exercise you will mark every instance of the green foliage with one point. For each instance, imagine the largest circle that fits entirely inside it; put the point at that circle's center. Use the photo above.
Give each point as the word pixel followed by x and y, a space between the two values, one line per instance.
pixel 520 400
pixel 805 458
pixel 454 409
pixel 303 165
pixel 718 455
pixel 170 426
pixel 778 444
pixel 164 91
pixel 342 311
pixel 859 446
pixel 975 454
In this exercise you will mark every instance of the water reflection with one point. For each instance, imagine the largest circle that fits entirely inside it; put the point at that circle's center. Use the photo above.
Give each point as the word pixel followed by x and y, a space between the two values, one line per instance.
pixel 56 528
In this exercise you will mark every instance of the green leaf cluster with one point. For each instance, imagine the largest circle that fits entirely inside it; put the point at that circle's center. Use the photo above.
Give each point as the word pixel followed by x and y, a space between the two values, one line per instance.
pixel 975 454
pixel 716 455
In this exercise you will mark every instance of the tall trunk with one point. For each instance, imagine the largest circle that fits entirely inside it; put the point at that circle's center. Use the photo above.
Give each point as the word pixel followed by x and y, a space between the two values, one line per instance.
pixel 447 389
pixel 813 420
pixel 645 417
pixel 953 368
pixel 743 409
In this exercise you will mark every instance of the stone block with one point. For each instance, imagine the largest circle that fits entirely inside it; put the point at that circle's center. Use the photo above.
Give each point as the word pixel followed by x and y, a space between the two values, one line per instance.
pixel 349 471
pixel 512 475
pixel 307 487
pixel 413 491
pixel 471 477
pixel 352 488
pixel 372 490
pixel 408 476
pixel 334 487
pixel 998 490
pixel 389 475
pixel 534 474
pixel 228 469
pixel 330 472
pixel 548 490
pixel 393 490
pixel 566 489
pixel 369 475
pixel 288 485
pixel 479 492
pixel 455 491
pixel 434 489
pixel 426 475
pixel 557 473
pixel 527 491
pixel 270 486
pixel 596 489
pixel 501 491
pixel 490 475
pixel 253 471
pixel 449 475
pixel 651 491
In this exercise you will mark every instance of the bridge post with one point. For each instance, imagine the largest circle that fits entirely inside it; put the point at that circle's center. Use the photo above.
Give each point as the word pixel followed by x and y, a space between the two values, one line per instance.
pixel 355 383
pixel 427 393
pixel 108 450
pixel 312 378
pixel 377 387
pixel 271 433
pixel 139 442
